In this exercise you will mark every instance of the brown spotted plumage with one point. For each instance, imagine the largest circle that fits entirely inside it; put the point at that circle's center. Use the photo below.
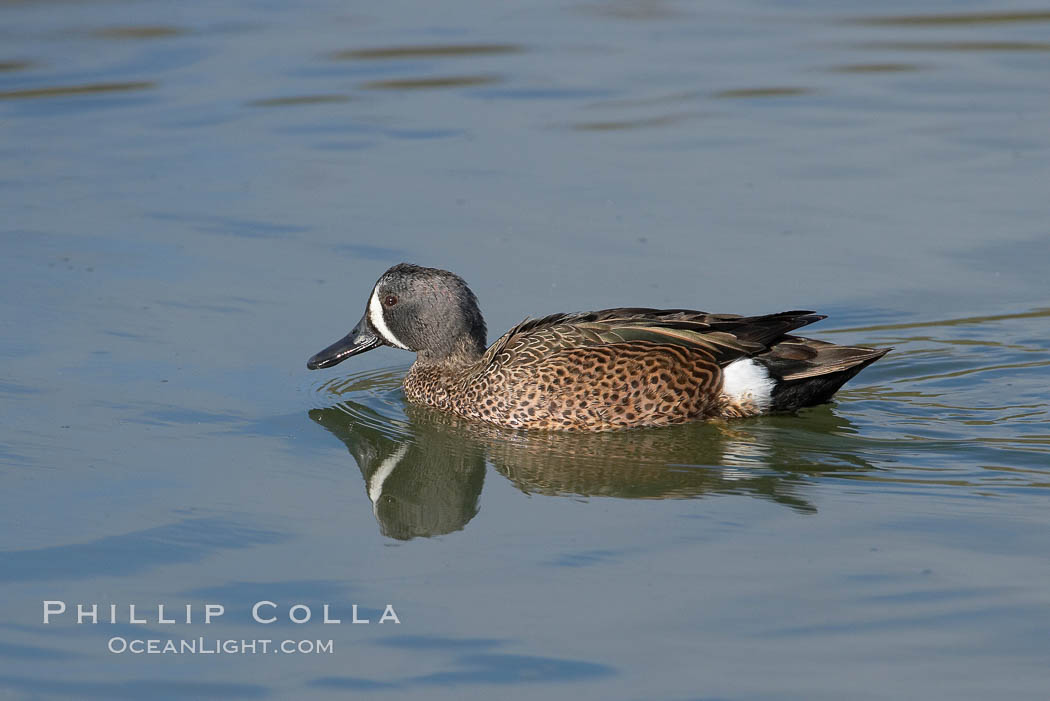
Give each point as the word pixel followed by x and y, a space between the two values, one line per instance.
pixel 595 371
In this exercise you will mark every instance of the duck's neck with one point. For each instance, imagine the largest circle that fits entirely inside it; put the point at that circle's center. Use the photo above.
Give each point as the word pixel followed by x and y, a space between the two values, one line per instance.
pixel 462 353
pixel 440 382
pixel 441 374
pixel 459 360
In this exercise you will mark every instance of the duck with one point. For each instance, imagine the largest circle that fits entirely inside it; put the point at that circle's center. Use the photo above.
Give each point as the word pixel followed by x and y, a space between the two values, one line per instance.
pixel 613 369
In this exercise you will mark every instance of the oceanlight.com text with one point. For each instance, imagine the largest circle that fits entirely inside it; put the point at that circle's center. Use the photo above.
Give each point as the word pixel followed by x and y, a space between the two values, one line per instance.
pixel 217 646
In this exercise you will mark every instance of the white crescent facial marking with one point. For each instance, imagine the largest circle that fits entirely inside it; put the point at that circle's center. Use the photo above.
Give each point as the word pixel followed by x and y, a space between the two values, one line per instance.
pixel 375 483
pixel 375 316
pixel 748 380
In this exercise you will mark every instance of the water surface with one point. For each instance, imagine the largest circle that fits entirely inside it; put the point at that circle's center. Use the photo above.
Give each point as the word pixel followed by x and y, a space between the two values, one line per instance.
pixel 196 199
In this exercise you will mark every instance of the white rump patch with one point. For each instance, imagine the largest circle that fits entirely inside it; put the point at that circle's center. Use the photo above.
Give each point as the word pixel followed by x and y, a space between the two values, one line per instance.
pixel 747 380
pixel 375 316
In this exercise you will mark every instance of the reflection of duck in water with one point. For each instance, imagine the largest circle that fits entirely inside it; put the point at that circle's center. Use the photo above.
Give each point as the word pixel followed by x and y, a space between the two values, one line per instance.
pixel 675 462
pixel 423 484
pixel 425 478
pixel 595 371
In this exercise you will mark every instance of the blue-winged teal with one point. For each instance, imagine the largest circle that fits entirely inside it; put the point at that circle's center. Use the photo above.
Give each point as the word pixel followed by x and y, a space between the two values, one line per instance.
pixel 594 371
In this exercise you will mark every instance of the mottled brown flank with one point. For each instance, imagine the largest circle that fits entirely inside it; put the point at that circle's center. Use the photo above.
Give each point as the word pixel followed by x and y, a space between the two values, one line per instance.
pixel 540 380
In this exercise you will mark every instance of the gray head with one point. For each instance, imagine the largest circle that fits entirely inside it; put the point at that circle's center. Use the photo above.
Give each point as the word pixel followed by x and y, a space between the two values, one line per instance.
pixel 426 310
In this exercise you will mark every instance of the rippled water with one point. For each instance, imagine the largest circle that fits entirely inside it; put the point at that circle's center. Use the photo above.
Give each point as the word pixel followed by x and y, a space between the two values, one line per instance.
pixel 197 198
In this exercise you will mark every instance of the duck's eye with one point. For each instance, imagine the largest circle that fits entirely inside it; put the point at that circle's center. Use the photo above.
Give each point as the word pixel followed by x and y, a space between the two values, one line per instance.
pixel 390 300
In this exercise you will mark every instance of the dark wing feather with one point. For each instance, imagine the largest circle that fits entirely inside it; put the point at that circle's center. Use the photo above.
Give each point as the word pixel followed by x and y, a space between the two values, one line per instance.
pixel 796 358
pixel 724 337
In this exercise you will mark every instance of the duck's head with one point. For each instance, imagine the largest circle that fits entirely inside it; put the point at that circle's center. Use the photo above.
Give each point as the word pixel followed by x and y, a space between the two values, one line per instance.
pixel 426 310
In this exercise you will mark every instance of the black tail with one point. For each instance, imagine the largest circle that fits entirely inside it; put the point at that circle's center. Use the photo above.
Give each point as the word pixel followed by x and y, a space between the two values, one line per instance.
pixel 808 372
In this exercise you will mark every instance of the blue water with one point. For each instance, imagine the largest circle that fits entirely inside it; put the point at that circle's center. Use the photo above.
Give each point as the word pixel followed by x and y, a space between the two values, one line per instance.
pixel 198 197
